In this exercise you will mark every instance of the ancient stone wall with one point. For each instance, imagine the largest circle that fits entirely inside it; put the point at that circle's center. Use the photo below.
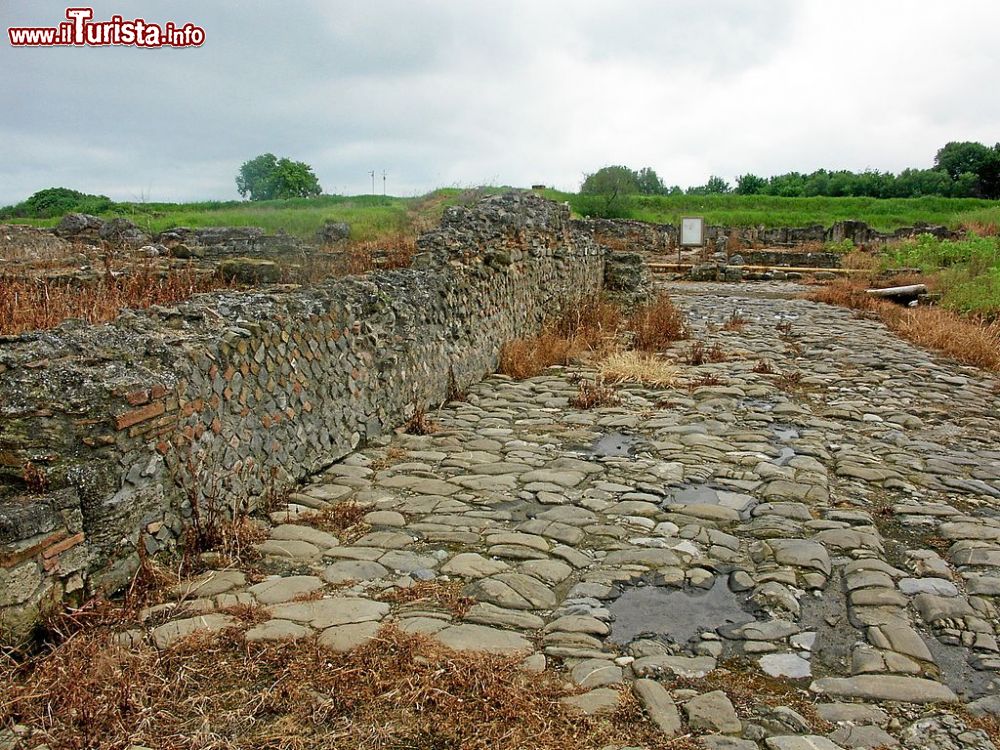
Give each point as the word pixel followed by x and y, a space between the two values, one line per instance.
pixel 114 437
pixel 658 239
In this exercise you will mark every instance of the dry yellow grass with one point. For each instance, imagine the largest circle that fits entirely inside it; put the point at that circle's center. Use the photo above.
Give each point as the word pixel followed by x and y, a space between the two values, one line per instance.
pixel 399 691
pixel 965 340
pixel 593 327
pixel 590 395
pixel 657 324
pixel 637 367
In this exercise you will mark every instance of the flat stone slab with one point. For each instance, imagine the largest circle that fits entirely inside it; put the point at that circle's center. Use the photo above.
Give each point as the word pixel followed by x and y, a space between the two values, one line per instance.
pixel 354 570
pixel 298 532
pixel 342 638
pixel 595 673
pixel 659 705
pixel 483 638
pixel 786 665
pixel 936 586
pixel 277 630
pixel 600 701
pixel 278 590
pixel 885 688
pixel 170 633
pixel 801 742
pixel 212 583
pixel 324 613
pixel 713 711
pixel 291 548
pixel 473 565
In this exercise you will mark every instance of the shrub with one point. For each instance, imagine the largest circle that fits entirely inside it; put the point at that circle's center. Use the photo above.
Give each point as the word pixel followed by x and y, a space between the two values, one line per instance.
pixel 657 324
pixel 593 394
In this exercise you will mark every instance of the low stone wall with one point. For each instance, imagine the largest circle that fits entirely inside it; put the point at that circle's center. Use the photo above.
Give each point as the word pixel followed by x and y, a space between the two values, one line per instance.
pixel 112 437
pixel 780 258
pixel 658 239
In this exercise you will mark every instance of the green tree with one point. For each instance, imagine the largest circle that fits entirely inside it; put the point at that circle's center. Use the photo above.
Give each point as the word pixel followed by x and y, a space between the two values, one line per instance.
pixel 611 183
pixel 750 184
pixel 716 184
pixel 650 183
pixel 57 201
pixel 267 177
pixel 957 157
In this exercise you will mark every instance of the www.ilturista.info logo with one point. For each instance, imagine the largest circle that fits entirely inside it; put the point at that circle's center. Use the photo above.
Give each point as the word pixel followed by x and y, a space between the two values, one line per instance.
pixel 80 31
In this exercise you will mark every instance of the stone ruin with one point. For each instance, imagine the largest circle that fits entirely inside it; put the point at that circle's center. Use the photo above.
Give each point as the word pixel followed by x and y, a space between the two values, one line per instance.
pixel 112 436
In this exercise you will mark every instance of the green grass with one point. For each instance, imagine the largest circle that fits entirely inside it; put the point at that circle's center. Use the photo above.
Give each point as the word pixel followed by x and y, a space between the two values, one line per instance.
pixel 370 217
pixel 374 216
pixel 884 214
pixel 966 272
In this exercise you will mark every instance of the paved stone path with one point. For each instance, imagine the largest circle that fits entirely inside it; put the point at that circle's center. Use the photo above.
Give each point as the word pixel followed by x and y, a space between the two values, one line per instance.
pixel 834 525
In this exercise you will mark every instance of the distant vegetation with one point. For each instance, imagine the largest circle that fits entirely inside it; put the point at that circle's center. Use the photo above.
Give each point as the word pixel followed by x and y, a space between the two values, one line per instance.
pixel 966 272
pixel 267 177
pixel 961 170
pixel 55 202
pixel 729 209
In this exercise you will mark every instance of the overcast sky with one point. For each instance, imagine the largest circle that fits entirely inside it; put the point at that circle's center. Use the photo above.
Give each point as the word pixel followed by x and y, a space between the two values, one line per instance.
pixel 508 93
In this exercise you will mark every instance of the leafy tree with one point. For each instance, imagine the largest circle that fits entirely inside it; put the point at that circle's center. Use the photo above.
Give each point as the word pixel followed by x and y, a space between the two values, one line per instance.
pixel 57 201
pixel 650 183
pixel 958 157
pixel 611 183
pixel 750 184
pixel 716 184
pixel 267 177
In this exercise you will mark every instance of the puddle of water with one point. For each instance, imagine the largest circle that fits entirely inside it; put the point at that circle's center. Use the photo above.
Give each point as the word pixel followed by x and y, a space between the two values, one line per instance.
pixel 677 614
pixel 785 432
pixel 615 444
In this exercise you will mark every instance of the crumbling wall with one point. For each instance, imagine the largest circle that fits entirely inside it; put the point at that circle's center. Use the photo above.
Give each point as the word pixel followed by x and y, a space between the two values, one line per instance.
pixel 659 239
pixel 110 435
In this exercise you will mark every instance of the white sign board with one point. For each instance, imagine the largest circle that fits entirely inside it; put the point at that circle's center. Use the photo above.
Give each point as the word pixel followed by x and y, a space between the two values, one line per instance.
pixel 692 231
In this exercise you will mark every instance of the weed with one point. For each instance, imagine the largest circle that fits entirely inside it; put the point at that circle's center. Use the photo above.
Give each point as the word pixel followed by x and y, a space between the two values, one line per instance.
pixel 789 381
pixel 784 328
pixel 28 304
pixel 707 379
pixel 971 341
pixel 35 479
pixel 420 423
pixel 590 395
pixel 588 325
pixel 763 367
pixel 455 392
pixel 657 324
pixel 637 367
pixel 336 519
pixel 699 354
pixel 446 595
pixel 397 691
pixel 735 322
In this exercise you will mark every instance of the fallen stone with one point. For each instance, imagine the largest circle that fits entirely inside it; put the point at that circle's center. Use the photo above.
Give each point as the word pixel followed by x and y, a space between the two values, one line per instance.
pixel 713 712
pixel 659 706
pixel 885 687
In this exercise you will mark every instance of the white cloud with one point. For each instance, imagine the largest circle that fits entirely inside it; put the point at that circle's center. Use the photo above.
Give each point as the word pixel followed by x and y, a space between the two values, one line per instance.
pixel 442 92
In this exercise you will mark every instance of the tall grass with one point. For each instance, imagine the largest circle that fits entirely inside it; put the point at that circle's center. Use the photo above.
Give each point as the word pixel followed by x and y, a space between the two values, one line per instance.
pixel 30 304
pixel 971 341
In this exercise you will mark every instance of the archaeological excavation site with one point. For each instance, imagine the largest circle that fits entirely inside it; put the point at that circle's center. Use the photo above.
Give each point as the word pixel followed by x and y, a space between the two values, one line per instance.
pixel 523 480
